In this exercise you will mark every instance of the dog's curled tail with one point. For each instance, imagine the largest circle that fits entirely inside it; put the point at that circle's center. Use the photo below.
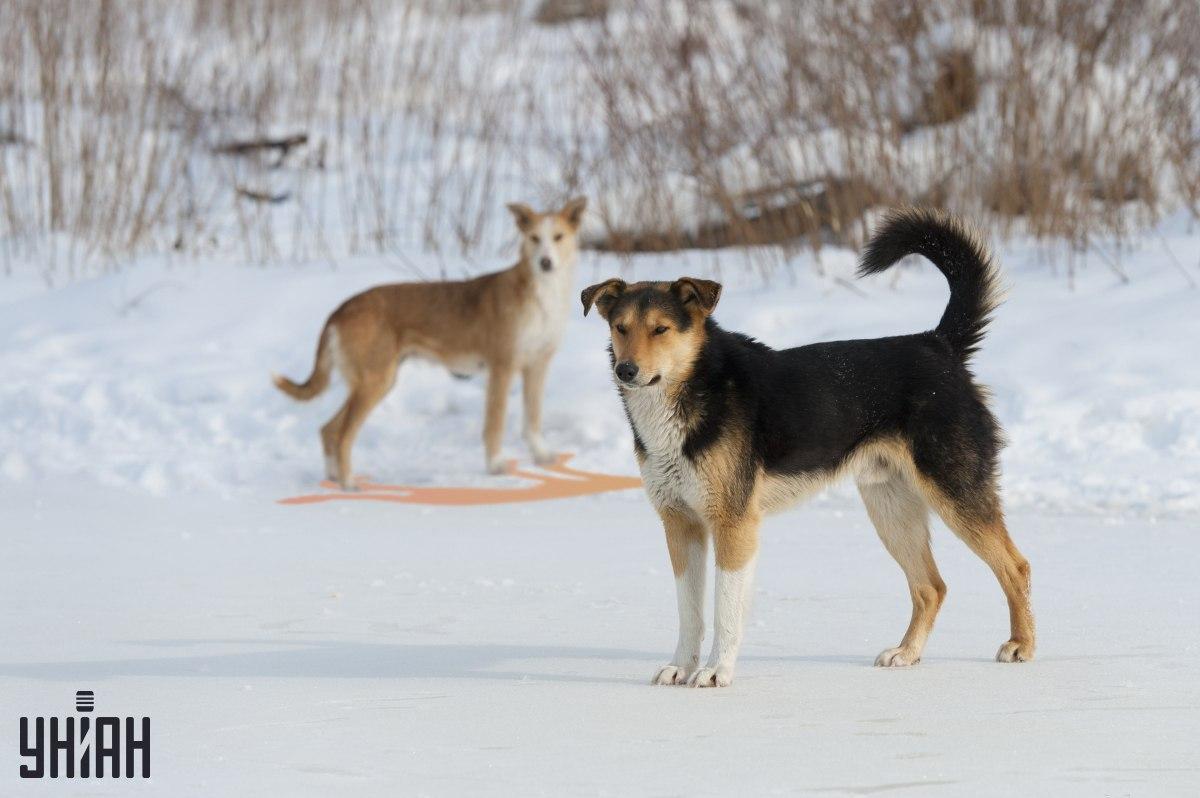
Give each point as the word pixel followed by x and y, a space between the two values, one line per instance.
pixel 959 253
pixel 319 379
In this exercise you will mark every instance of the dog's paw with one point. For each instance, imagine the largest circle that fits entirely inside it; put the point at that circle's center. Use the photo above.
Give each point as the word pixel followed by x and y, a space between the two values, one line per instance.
pixel 1015 651
pixel 671 674
pixel 498 465
pixel 897 658
pixel 537 449
pixel 720 676
pixel 349 484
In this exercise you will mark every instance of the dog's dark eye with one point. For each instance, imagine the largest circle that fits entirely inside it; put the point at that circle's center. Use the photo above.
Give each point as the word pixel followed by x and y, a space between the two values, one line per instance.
pixel 558 236
pixel 660 329
pixel 621 329
pixel 535 239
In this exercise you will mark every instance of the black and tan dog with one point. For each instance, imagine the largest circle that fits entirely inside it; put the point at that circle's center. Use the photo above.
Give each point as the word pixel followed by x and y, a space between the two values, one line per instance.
pixel 727 429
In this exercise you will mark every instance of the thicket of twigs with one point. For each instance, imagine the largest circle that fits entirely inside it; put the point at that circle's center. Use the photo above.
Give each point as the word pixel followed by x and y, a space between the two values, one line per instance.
pixel 279 129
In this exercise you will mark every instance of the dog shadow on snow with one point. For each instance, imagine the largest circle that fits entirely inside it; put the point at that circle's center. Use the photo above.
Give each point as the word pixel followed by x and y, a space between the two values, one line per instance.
pixel 249 658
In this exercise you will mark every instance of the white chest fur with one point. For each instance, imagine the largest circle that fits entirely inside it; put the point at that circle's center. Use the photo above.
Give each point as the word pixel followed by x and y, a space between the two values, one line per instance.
pixel 670 478
pixel 545 317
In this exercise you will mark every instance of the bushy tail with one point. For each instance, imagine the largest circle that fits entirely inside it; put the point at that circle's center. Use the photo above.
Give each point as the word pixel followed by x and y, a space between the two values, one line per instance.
pixel 959 253
pixel 318 380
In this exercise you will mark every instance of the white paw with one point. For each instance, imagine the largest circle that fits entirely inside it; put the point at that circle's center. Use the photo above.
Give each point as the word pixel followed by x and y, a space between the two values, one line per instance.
pixel 671 674
pixel 720 676
pixel 897 658
pixel 1013 651
pixel 497 465
pixel 349 483
pixel 537 448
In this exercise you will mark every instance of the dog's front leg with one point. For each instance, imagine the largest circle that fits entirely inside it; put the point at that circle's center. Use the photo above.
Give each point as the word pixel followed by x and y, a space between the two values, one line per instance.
pixel 499 379
pixel 688 547
pixel 533 384
pixel 736 547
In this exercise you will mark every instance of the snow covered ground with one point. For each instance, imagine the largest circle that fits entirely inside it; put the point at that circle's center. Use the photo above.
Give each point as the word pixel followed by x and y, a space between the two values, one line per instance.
pixel 155 379
pixel 374 649
pixel 367 648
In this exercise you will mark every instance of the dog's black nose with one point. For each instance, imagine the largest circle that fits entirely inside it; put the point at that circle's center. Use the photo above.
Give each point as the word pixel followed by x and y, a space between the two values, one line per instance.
pixel 626 371
pixel 547 264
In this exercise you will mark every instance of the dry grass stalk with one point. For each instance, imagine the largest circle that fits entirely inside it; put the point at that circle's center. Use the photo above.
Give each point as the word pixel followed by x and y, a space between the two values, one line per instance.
pixel 700 124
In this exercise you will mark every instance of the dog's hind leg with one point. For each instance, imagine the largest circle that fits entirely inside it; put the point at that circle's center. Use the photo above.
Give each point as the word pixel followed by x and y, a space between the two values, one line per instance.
pixel 955 446
pixel 364 396
pixel 901 518
pixel 331 433
pixel 979 521
pixel 687 544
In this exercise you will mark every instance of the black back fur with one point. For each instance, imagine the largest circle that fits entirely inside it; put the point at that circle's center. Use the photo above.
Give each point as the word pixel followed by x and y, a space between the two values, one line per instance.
pixel 809 407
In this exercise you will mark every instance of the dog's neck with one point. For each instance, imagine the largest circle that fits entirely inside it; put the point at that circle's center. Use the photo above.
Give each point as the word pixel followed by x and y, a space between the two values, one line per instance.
pixel 655 413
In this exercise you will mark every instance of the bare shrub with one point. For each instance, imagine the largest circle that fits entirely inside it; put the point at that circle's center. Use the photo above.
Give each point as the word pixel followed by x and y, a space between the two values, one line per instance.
pixel 1064 119
pixel 271 130
pixel 558 12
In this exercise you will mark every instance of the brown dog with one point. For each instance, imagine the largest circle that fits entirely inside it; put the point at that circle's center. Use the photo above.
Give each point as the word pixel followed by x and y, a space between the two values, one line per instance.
pixel 504 322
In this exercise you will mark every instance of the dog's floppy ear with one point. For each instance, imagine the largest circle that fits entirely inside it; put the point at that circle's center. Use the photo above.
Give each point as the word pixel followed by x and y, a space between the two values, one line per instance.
pixel 573 211
pixel 523 214
pixel 702 294
pixel 602 295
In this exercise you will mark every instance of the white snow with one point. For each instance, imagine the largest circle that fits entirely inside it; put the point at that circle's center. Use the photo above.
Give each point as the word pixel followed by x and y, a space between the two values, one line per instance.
pixel 157 378
pixel 510 652
pixel 382 649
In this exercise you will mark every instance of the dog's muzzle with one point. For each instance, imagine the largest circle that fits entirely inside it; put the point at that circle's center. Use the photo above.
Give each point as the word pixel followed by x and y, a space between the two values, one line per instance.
pixel 546 264
pixel 627 371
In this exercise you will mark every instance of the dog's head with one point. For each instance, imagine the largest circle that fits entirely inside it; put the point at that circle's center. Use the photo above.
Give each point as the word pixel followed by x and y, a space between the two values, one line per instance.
pixel 549 240
pixel 657 329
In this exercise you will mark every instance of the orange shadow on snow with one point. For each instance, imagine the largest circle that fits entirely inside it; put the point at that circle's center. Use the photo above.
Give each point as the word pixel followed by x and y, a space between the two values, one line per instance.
pixel 560 482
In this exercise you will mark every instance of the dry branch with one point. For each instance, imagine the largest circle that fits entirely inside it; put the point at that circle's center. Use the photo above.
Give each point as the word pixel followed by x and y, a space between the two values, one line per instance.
pixel 282 145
